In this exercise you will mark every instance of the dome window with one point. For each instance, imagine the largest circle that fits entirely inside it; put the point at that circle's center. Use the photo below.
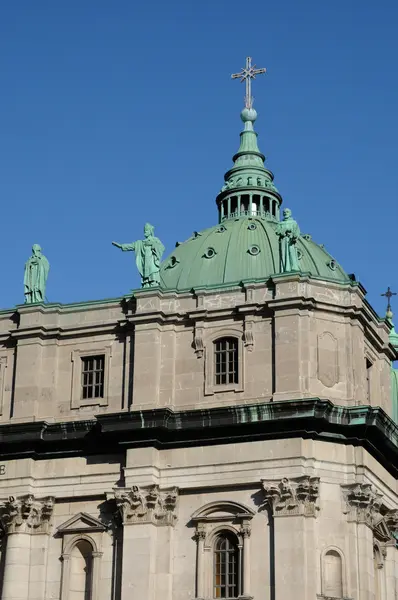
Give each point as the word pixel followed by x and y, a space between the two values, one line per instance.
pixel 332 264
pixel 252 226
pixel 173 262
pixel 210 253
pixel 254 250
pixel 299 254
pixel 306 236
pixel 221 229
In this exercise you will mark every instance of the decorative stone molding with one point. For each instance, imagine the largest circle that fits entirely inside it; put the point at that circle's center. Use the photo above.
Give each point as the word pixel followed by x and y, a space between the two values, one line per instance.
pixel 364 504
pixel 198 340
pixel 322 597
pixel 27 514
pixel 212 520
pixel 147 505
pixel 248 337
pixel 291 497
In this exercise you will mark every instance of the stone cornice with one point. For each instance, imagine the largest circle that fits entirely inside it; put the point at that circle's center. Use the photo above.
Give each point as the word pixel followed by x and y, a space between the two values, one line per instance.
pixel 365 426
pixel 26 514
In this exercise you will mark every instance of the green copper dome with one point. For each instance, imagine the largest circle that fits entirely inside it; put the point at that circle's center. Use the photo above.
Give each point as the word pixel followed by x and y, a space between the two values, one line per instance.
pixel 238 250
pixel 250 243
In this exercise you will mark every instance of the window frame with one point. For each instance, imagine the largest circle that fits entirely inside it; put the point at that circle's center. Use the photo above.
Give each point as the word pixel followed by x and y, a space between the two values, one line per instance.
pixel 210 386
pixel 98 359
pixel 237 571
pixel 77 400
pixel 81 527
pixel 324 553
pixel 231 347
pixel 211 521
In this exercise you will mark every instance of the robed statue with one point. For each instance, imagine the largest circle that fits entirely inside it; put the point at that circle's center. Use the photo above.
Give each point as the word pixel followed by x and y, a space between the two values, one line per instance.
pixel 148 255
pixel 35 279
pixel 288 232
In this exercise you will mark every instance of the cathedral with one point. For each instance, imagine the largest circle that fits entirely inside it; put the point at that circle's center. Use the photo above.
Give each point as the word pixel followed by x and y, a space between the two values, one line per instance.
pixel 228 430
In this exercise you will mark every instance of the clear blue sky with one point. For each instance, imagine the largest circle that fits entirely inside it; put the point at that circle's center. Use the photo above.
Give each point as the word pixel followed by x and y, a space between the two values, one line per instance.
pixel 115 113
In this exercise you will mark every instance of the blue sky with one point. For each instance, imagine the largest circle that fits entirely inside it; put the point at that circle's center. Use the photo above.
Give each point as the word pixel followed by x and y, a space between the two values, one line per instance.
pixel 115 113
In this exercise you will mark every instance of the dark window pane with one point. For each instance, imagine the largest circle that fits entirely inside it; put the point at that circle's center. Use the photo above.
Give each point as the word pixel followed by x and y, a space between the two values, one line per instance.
pixel 93 377
pixel 226 361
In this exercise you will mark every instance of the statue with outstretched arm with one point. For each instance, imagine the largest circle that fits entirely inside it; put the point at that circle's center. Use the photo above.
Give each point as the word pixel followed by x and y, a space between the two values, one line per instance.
pixel 148 256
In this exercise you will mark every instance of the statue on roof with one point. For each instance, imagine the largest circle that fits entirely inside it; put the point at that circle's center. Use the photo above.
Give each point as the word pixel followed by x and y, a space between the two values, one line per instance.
pixel 288 232
pixel 148 252
pixel 35 277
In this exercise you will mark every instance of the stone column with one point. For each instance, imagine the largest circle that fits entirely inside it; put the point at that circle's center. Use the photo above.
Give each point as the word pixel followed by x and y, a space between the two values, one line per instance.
pixel 23 518
pixel 200 567
pixel 245 532
pixel 148 515
pixel 390 558
pixel 294 509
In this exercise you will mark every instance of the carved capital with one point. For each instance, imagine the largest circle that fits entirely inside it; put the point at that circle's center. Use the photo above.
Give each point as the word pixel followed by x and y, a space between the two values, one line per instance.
pixel 147 505
pixel 246 530
pixel 27 514
pixel 289 497
pixel 200 533
pixel 391 520
pixel 362 503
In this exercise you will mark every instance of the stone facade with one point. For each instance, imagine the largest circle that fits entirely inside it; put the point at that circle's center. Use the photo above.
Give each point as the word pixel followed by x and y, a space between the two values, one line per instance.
pixel 124 496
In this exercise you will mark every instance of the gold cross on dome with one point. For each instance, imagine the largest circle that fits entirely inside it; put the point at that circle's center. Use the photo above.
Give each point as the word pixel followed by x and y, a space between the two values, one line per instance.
pixel 248 73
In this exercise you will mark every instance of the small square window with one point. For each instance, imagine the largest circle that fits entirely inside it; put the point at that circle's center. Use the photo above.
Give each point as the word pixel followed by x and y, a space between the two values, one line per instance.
pixel 93 373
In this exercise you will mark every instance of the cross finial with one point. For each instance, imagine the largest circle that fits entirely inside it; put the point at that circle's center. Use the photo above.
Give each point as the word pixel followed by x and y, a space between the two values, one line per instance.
pixel 248 73
pixel 388 294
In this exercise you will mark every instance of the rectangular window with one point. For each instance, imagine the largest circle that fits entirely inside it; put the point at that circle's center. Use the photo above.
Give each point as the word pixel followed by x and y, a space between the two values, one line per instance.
pixel 226 361
pixel 93 371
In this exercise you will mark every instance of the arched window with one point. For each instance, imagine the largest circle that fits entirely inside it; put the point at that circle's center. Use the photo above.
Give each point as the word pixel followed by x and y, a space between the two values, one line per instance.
pixel 226 366
pixel 226 567
pixel 81 571
pixel 333 575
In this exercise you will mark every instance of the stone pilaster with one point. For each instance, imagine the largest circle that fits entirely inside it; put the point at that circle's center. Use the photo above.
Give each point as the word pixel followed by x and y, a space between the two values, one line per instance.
pixel 27 523
pixel 148 514
pixel 293 509
pixel 370 521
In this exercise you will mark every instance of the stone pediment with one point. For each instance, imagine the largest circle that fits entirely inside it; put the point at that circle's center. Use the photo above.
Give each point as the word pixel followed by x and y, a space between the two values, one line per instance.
pixel 80 523
pixel 222 510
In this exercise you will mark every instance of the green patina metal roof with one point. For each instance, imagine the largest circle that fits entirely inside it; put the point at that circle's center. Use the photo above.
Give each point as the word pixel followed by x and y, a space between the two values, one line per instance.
pixel 244 245
pixel 237 250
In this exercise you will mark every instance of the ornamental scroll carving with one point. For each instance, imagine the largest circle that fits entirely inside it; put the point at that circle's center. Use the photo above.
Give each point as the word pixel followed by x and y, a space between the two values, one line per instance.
pixel 290 497
pixel 27 514
pixel 147 505
pixel 248 336
pixel 364 504
pixel 198 340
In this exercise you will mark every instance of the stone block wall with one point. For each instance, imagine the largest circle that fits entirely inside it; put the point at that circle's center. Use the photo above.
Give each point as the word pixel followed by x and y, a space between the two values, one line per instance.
pixel 313 519
pixel 297 338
